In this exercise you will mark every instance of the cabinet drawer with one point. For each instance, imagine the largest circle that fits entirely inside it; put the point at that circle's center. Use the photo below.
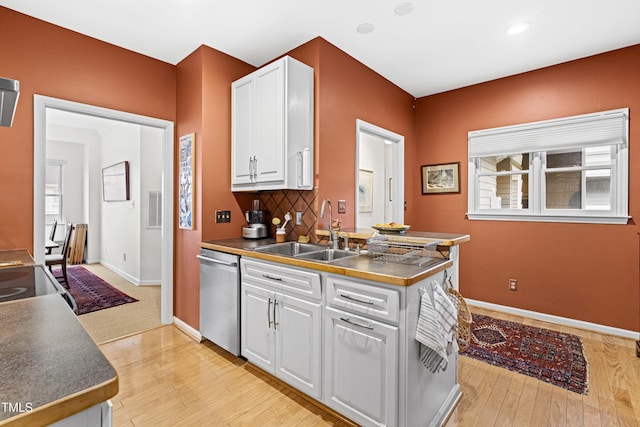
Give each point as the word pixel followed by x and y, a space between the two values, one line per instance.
pixel 375 302
pixel 285 279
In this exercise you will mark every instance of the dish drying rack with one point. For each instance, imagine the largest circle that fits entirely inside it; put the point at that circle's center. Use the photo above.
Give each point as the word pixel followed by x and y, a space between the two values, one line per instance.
pixel 404 250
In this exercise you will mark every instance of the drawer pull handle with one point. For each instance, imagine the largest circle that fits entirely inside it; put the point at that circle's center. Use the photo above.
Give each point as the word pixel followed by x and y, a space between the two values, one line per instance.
pixel 266 276
pixel 364 301
pixel 275 322
pixel 346 319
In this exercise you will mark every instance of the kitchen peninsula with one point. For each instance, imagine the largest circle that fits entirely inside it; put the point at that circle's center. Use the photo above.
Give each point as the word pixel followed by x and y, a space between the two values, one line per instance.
pixel 52 371
pixel 343 332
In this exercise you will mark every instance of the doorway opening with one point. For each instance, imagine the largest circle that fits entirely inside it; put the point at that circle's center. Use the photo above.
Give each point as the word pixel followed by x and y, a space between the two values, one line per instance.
pixel 379 176
pixel 46 105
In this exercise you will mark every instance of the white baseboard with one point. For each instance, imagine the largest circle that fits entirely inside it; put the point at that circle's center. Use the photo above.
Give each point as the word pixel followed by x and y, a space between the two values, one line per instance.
pixel 564 321
pixel 189 330
pixel 121 273
pixel 129 277
pixel 149 282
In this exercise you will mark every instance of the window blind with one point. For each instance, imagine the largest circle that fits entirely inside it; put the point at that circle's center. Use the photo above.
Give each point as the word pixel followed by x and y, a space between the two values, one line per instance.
pixel 588 130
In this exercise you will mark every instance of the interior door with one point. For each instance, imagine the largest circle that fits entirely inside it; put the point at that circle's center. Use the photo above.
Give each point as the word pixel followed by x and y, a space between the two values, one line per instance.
pixel 379 176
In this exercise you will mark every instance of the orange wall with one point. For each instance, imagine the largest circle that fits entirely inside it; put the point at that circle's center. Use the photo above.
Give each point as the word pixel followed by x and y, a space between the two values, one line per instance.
pixel 204 108
pixel 581 271
pixel 571 270
pixel 347 90
pixel 51 61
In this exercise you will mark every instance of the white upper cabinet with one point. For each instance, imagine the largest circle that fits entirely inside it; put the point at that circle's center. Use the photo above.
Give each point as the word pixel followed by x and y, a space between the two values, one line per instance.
pixel 272 128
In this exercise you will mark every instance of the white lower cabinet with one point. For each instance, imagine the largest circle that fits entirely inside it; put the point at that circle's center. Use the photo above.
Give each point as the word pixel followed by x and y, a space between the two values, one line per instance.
pixel 349 343
pixel 299 343
pixel 282 333
pixel 361 368
pixel 258 341
pixel 100 415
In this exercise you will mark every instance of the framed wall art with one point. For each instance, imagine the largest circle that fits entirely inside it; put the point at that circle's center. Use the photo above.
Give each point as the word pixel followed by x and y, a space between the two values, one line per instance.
pixel 365 190
pixel 185 191
pixel 441 179
pixel 115 182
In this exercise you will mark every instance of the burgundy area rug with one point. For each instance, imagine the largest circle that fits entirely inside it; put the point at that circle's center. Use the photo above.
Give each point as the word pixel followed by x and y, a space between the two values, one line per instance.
pixel 90 292
pixel 554 357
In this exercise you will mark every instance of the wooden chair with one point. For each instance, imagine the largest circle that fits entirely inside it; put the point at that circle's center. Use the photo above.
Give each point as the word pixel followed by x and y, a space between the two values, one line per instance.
pixel 61 258
pixel 52 235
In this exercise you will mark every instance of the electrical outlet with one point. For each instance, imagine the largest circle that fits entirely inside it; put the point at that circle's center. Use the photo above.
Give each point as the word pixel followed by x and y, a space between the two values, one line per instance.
pixel 342 206
pixel 124 256
pixel 513 285
pixel 298 218
pixel 223 216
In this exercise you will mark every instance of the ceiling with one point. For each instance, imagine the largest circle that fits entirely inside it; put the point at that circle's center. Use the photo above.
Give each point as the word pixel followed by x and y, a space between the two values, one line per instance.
pixel 440 45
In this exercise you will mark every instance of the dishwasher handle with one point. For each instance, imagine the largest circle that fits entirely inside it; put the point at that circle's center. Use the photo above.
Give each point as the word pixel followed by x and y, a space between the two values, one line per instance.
pixel 217 261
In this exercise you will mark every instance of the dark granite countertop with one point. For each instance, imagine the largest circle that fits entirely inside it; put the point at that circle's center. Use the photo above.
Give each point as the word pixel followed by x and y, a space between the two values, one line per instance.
pixel 50 368
pixel 362 266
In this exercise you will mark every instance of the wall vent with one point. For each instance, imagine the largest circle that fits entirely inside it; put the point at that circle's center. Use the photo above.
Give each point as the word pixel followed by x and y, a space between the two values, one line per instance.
pixel 154 216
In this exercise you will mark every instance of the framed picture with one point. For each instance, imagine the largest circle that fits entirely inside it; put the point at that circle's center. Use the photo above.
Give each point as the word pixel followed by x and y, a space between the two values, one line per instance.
pixel 441 179
pixel 365 190
pixel 115 182
pixel 185 194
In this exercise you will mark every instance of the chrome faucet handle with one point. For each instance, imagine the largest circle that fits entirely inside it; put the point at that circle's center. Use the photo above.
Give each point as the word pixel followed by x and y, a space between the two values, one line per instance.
pixel 335 242
pixel 346 241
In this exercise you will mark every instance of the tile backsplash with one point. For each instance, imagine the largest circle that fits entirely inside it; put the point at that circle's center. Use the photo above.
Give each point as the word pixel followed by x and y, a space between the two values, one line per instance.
pixel 279 202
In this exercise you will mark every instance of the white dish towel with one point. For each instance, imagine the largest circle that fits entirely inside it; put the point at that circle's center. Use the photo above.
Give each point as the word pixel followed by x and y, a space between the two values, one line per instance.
pixel 436 328
pixel 446 312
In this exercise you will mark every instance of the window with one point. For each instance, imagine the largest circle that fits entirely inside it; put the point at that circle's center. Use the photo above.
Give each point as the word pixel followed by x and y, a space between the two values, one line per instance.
pixel 573 169
pixel 53 202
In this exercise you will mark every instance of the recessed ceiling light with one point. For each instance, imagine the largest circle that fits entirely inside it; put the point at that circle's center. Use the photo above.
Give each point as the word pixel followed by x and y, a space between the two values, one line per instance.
pixel 403 9
pixel 365 28
pixel 518 28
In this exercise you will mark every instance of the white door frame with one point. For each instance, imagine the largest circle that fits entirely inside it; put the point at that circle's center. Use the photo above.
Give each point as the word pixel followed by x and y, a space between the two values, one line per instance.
pixel 398 165
pixel 40 105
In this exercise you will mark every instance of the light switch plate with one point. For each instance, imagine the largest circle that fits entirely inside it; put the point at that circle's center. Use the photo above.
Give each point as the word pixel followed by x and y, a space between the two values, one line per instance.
pixel 223 216
pixel 342 206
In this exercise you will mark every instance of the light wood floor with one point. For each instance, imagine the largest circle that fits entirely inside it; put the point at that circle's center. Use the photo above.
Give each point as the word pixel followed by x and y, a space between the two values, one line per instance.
pixel 127 319
pixel 167 379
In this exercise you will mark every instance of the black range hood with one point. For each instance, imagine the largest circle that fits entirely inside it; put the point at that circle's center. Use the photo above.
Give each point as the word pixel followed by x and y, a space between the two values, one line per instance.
pixel 9 92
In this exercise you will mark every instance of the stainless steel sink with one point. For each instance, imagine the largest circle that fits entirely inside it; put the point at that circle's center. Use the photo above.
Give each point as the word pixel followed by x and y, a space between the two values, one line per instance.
pixel 307 251
pixel 327 255
pixel 290 248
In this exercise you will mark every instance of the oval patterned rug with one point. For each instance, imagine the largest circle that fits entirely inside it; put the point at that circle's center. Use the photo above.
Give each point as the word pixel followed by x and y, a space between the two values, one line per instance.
pixel 554 357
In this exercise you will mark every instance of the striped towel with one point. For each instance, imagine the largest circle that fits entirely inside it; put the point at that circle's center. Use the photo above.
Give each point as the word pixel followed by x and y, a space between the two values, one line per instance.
pixel 430 335
pixel 446 312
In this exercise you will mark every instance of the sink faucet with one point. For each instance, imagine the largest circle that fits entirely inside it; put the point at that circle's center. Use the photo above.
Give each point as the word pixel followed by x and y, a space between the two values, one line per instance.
pixel 333 238
pixel 345 237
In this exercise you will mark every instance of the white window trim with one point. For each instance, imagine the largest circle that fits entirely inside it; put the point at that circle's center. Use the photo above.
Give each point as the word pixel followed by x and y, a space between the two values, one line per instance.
pixel 62 164
pixel 518 139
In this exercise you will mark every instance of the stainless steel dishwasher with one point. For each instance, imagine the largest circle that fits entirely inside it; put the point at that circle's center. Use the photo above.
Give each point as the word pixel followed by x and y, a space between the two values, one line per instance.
pixel 220 299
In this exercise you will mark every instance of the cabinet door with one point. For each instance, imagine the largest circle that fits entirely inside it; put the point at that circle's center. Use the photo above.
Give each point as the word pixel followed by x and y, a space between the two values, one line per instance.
pixel 299 343
pixel 257 338
pixel 361 368
pixel 268 138
pixel 241 131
